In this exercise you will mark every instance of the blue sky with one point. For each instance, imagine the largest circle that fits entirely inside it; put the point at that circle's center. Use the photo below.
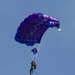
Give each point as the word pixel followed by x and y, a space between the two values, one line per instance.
pixel 57 50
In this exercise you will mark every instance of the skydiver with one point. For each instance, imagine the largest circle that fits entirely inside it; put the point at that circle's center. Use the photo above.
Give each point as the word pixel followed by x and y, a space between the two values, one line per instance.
pixel 33 67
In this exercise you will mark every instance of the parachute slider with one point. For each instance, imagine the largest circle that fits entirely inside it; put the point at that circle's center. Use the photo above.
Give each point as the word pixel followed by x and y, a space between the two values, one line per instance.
pixel 34 50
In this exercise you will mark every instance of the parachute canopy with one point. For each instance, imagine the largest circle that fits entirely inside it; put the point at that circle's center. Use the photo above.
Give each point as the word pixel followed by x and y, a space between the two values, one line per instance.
pixel 33 27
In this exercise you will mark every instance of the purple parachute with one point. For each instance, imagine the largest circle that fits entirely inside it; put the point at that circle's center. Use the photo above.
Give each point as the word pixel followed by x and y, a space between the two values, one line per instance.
pixel 33 27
